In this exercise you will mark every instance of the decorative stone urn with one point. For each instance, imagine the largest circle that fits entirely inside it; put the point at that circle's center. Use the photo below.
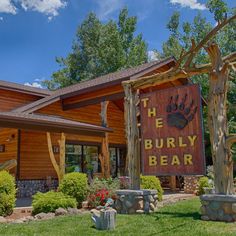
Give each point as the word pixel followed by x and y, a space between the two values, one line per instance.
pixel 218 207
pixel 136 201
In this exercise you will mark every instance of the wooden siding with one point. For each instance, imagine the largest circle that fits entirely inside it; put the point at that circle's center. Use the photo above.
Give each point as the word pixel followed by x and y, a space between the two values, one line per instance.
pixel 10 100
pixel 91 115
pixel 10 142
pixel 34 156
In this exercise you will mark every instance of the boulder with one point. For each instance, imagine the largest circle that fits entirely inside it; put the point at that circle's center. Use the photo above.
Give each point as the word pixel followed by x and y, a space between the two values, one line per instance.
pixel 2 220
pixel 73 211
pixel 44 216
pixel 61 212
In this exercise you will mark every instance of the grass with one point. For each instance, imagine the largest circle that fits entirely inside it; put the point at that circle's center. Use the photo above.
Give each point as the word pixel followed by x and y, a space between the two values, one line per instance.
pixel 180 219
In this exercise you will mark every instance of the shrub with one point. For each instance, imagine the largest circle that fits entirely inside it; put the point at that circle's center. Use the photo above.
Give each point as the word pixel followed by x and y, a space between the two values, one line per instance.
pixel 50 201
pixel 75 185
pixel 102 189
pixel 7 193
pixel 152 182
pixel 203 182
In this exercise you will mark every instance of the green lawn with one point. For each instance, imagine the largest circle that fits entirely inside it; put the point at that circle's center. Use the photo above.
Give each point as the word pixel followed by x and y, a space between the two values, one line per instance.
pixel 180 219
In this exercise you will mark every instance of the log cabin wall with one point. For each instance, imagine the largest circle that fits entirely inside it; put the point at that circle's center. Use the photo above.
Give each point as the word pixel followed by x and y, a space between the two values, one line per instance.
pixel 9 137
pixel 10 100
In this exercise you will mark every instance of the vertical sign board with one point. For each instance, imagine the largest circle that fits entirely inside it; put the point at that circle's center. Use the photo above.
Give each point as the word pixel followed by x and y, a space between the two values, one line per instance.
pixel 172 132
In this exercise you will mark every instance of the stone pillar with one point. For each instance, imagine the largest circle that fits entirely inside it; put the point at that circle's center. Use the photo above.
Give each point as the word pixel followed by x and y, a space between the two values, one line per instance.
pixel 191 184
pixel 136 201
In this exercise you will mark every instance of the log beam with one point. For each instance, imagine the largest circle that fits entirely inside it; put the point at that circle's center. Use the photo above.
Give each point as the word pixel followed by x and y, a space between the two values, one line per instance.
pixel 59 168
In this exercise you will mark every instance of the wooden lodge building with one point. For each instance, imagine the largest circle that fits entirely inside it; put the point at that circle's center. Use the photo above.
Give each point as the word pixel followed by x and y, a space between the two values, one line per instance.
pixel 27 114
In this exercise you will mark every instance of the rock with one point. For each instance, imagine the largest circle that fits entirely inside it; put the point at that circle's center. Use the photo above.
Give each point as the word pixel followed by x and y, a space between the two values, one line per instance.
pixel 203 210
pixel 2 220
pixel 44 216
pixel 18 221
pixel 128 204
pixel 151 199
pixel 205 218
pixel 214 205
pixel 118 205
pixel 73 211
pixel 140 205
pixel 85 205
pixel 234 207
pixel 140 211
pixel 29 218
pixel 227 208
pixel 60 212
pixel 152 207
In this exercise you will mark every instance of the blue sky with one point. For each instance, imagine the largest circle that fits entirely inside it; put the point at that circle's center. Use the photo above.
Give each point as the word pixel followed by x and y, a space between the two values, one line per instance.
pixel 34 32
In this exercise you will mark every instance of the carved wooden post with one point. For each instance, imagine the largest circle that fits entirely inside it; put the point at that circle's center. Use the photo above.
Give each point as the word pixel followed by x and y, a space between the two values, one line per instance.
pixel 59 168
pixel 105 156
pixel 217 122
pixel 132 135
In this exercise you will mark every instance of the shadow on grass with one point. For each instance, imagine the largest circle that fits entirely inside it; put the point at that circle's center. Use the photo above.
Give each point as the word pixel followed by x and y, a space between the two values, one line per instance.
pixel 193 215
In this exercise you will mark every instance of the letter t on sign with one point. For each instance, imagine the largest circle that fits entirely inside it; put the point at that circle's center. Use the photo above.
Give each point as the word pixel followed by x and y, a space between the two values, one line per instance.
pixel 145 101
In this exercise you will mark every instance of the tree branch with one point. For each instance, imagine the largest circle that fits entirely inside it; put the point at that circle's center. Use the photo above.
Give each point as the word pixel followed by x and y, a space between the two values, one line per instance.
pixel 230 58
pixel 230 140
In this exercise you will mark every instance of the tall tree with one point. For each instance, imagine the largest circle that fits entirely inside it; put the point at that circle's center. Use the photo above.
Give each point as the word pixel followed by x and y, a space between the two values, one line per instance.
pixel 180 37
pixel 99 49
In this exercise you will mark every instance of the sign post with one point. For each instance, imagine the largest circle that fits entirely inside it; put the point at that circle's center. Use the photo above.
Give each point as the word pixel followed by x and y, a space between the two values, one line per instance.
pixel 172 132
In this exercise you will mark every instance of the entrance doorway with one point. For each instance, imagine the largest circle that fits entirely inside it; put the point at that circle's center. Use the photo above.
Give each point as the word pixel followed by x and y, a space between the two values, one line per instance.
pixel 117 161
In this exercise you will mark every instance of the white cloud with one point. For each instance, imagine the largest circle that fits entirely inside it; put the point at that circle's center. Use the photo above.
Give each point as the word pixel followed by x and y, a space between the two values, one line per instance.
pixel 34 84
pixel 153 56
pixel 193 4
pixel 6 6
pixel 107 7
pixel 47 7
pixel 1 18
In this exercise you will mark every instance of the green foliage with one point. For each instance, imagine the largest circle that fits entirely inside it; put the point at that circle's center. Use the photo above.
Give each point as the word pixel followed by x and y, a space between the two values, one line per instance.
pixel 180 37
pixel 102 189
pixel 7 193
pixel 75 185
pixel 203 182
pixel 50 201
pixel 218 8
pixel 152 182
pixel 100 49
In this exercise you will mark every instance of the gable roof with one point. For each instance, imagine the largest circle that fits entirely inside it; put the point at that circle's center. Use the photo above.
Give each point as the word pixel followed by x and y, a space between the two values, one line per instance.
pixel 49 124
pixel 24 89
pixel 97 83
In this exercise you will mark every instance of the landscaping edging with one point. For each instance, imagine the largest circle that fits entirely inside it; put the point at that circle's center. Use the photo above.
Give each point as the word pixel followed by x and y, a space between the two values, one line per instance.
pixel 44 216
pixel 136 201
pixel 218 207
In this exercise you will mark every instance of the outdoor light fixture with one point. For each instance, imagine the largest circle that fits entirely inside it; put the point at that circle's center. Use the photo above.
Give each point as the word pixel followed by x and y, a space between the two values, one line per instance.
pixel 12 137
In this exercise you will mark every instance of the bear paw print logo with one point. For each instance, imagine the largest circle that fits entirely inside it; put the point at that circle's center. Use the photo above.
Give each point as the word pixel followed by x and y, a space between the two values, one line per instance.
pixel 180 113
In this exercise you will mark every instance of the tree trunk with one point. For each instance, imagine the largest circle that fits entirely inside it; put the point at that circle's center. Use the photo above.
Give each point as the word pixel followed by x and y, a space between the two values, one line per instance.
pixel 217 122
pixel 132 135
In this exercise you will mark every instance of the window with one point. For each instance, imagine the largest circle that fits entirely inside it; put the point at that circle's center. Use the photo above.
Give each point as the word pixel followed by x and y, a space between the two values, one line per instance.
pixel 117 161
pixel 82 158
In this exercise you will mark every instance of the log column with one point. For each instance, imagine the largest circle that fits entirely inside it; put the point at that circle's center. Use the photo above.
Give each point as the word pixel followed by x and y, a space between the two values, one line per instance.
pixel 217 122
pixel 105 155
pixel 132 135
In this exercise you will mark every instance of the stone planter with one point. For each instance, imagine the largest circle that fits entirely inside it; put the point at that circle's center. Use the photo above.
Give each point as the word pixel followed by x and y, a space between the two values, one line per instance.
pixel 217 207
pixel 136 201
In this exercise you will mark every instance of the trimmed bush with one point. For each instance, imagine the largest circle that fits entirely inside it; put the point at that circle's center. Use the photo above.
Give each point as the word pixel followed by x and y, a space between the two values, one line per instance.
pixel 7 193
pixel 203 182
pixel 75 185
pixel 50 201
pixel 152 182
